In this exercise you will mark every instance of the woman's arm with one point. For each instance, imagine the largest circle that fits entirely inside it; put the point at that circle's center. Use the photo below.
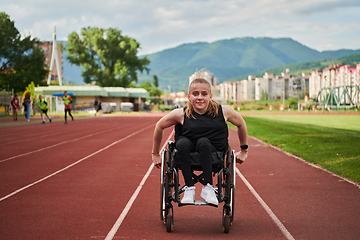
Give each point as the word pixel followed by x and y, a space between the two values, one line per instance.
pixel 236 119
pixel 174 117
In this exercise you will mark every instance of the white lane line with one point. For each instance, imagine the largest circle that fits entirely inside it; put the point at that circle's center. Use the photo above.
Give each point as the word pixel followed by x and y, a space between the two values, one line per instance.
pixel 118 222
pixel 266 207
pixel 73 164
pixel 58 144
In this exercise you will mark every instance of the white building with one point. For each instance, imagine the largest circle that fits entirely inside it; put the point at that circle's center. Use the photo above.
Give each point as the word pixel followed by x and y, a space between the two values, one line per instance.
pixel 339 80
pixel 269 86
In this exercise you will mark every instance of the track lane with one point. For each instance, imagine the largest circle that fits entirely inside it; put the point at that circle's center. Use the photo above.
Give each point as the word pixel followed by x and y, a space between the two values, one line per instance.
pixel 58 135
pixel 77 200
pixel 37 165
pixel 85 201
pixel 195 222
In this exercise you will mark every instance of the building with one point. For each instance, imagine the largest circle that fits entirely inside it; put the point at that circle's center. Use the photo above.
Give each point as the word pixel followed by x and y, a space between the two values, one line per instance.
pixel 209 76
pixel 338 86
pixel 47 47
pixel 84 96
pixel 268 87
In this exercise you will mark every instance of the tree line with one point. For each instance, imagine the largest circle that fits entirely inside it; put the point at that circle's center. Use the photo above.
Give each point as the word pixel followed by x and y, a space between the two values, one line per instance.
pixel 107 58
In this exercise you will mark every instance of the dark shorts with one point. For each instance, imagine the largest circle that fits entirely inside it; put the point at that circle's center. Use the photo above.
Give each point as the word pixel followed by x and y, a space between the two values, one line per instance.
pixel 44 111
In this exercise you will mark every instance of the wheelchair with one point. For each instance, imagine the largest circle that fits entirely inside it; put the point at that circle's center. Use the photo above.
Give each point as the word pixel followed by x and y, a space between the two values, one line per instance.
pixel 224 166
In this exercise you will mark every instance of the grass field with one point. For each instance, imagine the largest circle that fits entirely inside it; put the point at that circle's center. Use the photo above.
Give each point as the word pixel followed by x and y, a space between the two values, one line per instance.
pixel 349 122
pixel 330 141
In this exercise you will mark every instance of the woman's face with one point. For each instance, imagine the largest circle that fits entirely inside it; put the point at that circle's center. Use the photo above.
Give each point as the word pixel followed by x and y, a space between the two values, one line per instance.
pixel 199 97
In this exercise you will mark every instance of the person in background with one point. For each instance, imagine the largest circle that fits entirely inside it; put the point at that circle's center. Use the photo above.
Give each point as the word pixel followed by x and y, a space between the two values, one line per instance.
pixel 43 109
pixel 26 104
pixel 33 105
pixel 67 101
pixel 99 107
pixel 95 104
pixel 15 103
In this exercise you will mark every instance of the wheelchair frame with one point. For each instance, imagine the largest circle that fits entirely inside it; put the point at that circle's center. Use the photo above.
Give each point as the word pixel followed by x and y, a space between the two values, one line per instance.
pixel 170 188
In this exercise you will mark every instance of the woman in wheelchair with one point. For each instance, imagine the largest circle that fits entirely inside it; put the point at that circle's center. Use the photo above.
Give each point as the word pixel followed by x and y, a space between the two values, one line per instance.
pixel 204 130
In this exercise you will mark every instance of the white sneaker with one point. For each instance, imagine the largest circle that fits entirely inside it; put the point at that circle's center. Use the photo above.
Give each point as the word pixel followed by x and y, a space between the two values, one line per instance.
pixel 189 195
pixel 208 194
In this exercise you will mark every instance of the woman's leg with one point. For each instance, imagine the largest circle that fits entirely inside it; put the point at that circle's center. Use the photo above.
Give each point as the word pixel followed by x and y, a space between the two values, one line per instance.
pixel 72 118
pixel 204 147
pixel 28 112
pixel 184 146
pixel 66 115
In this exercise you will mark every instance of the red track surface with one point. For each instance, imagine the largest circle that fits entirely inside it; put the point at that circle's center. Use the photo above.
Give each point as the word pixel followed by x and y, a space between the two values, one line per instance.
pixel 74 181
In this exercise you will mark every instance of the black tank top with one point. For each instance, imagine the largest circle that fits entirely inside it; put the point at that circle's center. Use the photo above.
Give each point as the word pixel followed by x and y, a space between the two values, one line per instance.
pixel 213 128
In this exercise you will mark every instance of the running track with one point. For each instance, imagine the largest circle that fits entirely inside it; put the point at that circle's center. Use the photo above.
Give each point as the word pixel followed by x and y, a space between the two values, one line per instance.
pixel 93 179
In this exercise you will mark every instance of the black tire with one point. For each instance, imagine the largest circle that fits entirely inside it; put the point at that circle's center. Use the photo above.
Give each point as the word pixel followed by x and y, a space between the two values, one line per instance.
pixel 232 190
pixel 232 204
pixel 226 221
pixel 162 187
pixel 169 223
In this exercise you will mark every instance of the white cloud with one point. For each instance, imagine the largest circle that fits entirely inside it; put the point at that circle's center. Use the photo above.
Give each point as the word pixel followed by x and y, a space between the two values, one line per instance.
pixel 160 24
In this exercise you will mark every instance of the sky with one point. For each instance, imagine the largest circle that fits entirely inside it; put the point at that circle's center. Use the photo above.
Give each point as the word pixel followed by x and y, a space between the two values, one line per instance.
pixel 161 24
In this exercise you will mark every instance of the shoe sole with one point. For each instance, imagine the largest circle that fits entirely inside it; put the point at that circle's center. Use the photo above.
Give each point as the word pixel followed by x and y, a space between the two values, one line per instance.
pixel 204 197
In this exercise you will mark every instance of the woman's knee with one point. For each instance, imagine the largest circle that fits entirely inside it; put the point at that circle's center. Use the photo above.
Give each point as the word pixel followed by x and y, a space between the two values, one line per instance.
pixel 184 144
pixel 203 144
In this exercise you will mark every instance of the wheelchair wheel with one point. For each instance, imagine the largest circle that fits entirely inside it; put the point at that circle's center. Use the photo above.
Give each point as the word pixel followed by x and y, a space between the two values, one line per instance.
pixel 162 187
pixel 232 190
pixel 169 221
pixel 226 220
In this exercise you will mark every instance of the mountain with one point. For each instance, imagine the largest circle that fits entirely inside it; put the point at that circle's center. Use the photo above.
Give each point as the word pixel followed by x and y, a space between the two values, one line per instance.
pixel 297 69
pixel 230 58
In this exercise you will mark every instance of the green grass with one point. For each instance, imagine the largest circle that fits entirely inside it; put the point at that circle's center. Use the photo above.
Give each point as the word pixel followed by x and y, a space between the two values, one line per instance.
pixel 333 121
pixel 334 147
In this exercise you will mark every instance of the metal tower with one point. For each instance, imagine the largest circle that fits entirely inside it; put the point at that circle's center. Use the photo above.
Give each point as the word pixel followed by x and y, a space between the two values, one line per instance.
pixel 54 57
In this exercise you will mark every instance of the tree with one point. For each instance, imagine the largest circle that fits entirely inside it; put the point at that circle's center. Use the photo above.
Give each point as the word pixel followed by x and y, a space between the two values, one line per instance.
pixel 21 60
pixel 153 91
pixel 107 57
pixel 155 81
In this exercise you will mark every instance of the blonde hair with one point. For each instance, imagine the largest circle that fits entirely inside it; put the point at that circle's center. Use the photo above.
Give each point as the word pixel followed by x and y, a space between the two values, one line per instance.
pixel 213 107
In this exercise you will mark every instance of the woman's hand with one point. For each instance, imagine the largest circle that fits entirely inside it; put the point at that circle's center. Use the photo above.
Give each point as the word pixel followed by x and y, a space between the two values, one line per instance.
pixel 156 159
pixel 241 156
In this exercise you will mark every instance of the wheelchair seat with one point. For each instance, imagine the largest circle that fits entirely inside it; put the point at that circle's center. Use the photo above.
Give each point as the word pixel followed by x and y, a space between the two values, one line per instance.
pixel 217 161
pixel 217 156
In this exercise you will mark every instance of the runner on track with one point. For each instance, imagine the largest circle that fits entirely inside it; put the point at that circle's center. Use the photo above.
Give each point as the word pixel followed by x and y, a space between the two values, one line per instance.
pixel 67 100
pixel 33 105
pixel 98 109
pixel 204 129
pixel 43 109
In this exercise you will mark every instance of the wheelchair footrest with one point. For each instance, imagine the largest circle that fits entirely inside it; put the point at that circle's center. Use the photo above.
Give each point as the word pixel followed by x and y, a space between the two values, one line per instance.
pixel 198 202
pixel 201 202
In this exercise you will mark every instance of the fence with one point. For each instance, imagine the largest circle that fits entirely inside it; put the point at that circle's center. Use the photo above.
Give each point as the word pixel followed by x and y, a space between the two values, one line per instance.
pixel 5 103
pixel 340 97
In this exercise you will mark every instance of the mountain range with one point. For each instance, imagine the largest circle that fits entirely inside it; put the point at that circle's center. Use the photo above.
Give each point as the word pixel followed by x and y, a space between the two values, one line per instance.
pixel 228 59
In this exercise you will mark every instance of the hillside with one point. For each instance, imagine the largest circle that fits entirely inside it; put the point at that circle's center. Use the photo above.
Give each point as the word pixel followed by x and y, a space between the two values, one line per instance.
pixel 228 59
